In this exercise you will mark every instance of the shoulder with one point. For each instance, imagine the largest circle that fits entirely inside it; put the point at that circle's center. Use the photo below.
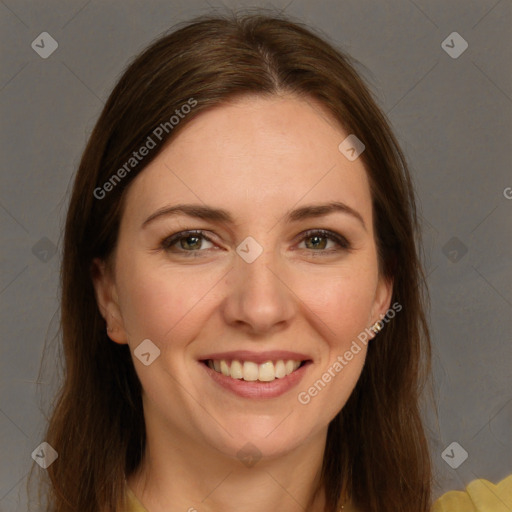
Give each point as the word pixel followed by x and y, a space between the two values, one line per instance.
pixel 480 496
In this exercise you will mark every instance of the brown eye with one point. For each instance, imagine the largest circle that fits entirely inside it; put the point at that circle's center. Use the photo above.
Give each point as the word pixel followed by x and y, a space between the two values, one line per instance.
pixel 190 242
pixel 186 242
pixel 318 240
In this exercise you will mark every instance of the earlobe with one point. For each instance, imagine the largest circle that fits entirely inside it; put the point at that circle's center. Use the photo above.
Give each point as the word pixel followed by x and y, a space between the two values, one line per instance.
pixel 107 300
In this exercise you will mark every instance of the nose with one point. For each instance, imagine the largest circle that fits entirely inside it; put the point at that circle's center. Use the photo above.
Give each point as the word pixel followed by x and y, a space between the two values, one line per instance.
pixel 258 297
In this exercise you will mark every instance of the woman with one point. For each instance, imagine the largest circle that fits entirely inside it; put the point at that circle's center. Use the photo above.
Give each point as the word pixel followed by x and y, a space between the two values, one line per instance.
pixel 242 310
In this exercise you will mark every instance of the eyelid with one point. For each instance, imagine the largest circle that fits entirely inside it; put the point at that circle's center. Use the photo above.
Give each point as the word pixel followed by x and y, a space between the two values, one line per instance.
pixel 325 233
pixel 170 240
pixel 340 240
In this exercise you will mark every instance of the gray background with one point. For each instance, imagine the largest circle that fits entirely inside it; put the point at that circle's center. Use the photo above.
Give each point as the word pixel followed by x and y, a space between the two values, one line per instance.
pixel 452 118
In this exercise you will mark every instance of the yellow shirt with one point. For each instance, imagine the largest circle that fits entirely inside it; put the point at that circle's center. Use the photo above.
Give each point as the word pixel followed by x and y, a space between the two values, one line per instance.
pixel 479 496
pixel 134 505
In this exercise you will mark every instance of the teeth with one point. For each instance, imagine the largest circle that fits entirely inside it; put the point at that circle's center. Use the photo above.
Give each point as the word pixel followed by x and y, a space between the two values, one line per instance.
pixel 267 372
pixel 224 368
pixel 236 370
pixel 280 369
pixel 249 371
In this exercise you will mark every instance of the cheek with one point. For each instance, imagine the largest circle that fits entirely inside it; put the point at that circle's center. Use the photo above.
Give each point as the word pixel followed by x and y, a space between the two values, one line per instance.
pixel 157 301
pixel 341 300
pixel 341 305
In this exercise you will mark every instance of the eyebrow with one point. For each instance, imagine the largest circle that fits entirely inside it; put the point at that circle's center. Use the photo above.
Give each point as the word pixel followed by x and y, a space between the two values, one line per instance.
pixel 220 215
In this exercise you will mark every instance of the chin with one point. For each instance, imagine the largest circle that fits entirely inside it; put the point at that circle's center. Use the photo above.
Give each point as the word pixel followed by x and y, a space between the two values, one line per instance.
pixel 269 438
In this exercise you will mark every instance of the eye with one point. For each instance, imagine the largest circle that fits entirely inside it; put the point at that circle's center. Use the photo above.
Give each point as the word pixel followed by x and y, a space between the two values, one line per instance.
pixel 191 243
pixel 187 241
pixel 318 240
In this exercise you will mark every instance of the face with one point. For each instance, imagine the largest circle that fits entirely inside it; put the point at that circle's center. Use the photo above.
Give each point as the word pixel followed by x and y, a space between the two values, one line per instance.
pixel 280 270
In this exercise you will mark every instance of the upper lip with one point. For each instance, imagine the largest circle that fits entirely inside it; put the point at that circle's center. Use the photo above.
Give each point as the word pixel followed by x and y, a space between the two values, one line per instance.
pixel 256 357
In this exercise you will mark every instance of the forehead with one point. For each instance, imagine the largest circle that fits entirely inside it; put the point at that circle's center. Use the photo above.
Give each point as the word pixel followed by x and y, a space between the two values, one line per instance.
pixel 255 154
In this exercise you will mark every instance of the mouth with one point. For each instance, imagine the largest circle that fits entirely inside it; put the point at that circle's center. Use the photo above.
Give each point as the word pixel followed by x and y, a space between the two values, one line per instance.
pixel 251 371
pixel 256 375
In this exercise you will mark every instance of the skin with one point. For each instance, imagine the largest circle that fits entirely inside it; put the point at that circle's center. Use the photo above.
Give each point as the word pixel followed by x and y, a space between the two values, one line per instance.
pixel 258 158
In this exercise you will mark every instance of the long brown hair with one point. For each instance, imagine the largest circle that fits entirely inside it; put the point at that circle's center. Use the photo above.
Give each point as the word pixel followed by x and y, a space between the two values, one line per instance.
pixel 376 446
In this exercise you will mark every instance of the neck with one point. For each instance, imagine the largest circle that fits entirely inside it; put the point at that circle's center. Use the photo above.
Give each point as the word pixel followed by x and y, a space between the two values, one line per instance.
pixel 184 475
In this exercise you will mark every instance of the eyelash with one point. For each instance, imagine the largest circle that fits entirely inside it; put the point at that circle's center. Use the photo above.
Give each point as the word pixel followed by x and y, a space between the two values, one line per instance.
pixel 341 241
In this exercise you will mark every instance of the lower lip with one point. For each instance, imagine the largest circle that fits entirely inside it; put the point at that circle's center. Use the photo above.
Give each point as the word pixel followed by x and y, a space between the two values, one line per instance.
pixel 258 389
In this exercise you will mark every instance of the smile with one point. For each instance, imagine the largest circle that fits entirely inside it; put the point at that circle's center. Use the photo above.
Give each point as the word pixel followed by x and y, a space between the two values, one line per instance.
pixel 250 371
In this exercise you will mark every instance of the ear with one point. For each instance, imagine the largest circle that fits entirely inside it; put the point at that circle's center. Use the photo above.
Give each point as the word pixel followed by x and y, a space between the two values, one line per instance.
pixel 107 300
pixel 382 301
